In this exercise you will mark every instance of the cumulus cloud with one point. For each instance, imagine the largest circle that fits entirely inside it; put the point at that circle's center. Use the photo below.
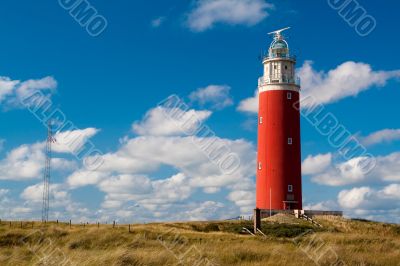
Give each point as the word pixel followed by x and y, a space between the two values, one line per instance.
pixel 158 122
pixel 72 141
pixel 346 80
pixel 126 175
pixel 62 205
pixel 7 87
pixel 328 205
pixel 217 96
pixel 316 164
pixel 249 105
pixel 326 171
pixel 207 13
pixel 343 173
pixel 24 162
pixel 203 211
pixel 27 161
pixel 381 136
pixel 13 92
pixel 367 198
pixel 148 153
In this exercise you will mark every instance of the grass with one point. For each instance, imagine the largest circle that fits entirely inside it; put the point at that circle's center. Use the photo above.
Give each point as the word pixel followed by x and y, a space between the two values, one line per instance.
pixel 292 242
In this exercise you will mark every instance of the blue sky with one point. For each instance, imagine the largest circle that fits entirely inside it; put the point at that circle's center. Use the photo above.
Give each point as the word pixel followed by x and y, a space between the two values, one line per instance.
pixel 206 52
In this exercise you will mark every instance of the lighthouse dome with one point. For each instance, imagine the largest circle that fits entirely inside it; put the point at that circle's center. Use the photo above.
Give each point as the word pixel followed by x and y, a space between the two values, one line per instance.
pixel 279 44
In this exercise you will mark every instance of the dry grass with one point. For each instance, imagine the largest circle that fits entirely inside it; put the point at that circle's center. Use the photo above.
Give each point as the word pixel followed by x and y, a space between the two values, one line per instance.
pixel 288 242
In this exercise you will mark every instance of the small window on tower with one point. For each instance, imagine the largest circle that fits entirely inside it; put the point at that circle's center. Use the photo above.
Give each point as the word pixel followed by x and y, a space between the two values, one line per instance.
pixel 286 67
pixel 290 188
pixel 261 119
pixel 289 95
pixel 259 166
pixel 290 141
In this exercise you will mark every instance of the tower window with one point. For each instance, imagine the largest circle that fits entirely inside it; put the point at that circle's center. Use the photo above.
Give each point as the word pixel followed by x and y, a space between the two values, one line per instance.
pixel 290 188
pixel 259 166
pixel 289 95
pixel 286 67
pixel 290 141
pixel 261 119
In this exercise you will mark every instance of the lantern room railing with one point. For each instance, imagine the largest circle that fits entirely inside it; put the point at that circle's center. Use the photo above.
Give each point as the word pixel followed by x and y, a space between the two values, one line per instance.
pixel 279 79
pixel 277 56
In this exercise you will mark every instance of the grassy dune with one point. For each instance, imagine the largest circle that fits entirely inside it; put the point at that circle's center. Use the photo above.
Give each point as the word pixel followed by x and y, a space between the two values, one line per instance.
pixel 287 241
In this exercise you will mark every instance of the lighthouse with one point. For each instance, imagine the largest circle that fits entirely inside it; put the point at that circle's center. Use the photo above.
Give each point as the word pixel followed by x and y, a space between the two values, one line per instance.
pixel 279 185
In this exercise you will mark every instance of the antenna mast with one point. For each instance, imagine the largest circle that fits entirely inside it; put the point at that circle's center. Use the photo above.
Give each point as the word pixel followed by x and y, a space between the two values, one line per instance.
pixel 47 174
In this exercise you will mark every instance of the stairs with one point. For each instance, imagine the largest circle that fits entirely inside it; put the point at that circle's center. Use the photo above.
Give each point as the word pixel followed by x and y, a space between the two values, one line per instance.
pixel 305 217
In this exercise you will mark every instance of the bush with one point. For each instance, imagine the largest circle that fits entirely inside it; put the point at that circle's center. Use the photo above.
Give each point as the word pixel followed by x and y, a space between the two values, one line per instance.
pixel 211 228
pixel 285 230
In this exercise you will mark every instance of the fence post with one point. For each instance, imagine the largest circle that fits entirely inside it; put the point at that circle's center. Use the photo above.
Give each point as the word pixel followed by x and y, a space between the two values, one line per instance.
pixel 114 224
pixel 129 226
pixel 70 224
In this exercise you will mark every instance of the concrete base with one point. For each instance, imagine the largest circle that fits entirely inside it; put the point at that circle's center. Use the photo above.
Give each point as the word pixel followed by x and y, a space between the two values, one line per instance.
pixel 265 213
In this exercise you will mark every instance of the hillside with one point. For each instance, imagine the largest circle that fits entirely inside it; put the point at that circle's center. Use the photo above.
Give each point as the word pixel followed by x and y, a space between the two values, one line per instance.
pixel 287 241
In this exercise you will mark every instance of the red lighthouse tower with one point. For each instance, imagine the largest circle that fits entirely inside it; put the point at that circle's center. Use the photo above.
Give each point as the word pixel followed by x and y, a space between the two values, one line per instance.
pixel 279 150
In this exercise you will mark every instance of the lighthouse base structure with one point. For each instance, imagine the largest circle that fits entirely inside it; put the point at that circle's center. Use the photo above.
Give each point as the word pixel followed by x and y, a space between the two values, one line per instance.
pixel 260 214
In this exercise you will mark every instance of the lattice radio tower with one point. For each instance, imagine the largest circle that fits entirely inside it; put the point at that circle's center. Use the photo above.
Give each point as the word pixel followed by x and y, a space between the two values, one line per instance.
pixel 47 174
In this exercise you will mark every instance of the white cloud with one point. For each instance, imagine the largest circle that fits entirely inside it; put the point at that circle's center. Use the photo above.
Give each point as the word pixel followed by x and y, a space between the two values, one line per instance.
pixel 34 194
pixel 24 162
pixel 13 92
pixel 27 161
pixel 26 88
pixel 387 169
pixel 381 136
pixel 316 164
pixel 202 211
pixel 329 205
pixel 81 178
pixel 207 13
pixel 249 105
pixel 126 174
pixel 7 87
pixel 126 184
pixel 216 95
pixel 245 199
pixel 354 198
pixel 157 122
pixel 346 80
pixel 367 198
pixel 61 204
pixel 72 141
pixel 343 173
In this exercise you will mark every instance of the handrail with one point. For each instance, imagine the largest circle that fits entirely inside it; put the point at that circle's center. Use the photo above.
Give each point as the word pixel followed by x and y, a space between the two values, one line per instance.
pixel 276 79
pixel 275 56
pixel 248 231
